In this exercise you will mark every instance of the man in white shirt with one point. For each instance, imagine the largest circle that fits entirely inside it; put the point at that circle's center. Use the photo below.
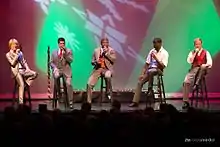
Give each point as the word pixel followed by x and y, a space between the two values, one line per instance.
pixel 156 61
pixel 201 60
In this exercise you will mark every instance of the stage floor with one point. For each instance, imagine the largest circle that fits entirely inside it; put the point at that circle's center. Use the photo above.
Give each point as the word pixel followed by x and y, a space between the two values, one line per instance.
pixel 214 106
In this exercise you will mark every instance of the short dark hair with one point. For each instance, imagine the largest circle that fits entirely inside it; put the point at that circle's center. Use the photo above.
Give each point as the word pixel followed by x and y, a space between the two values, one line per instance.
pixel 104 39
pixel 157 40
pixel 60 39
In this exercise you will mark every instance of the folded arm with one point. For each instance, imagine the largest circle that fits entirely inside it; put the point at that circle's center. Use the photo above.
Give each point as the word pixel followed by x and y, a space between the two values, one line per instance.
pixel 111 56
pixel 68 56
pixel 13 61
pixel 24 62
pixel 164 61
pixel 191 57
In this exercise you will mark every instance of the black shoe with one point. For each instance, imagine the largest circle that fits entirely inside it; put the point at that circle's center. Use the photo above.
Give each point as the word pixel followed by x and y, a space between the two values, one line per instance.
pixel 133 104
pixel 185 105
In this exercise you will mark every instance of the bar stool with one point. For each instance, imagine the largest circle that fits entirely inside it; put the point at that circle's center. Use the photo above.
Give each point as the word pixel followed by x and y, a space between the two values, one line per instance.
pixel 200 93
pixel 160 90
pixel 103 88
pixel 26 91
pixel 59 92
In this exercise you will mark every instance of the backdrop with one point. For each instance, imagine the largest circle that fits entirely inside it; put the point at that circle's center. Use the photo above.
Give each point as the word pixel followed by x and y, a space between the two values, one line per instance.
pixel 130 26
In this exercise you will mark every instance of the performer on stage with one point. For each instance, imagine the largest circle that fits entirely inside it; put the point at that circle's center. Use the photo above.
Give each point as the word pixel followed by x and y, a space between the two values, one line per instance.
pixel 61 60
pixel 156 61
pixel 201 60
pixel 19 67
pixel 103 60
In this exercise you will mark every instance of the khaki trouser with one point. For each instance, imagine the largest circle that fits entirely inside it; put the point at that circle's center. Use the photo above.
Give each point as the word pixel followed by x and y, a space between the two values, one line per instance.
pixel 93 79
pixel 148 77
pixel 195 72
pixel 29 76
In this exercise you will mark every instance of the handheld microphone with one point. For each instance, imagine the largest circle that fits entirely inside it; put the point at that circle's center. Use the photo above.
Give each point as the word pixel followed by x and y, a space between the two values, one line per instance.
pixel 196 50
pixel 18 50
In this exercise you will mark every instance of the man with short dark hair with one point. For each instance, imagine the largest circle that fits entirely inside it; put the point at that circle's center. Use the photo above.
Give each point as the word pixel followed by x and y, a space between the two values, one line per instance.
pixel 61 65
pixel 103 60
pixel 156 61
pixel 201 60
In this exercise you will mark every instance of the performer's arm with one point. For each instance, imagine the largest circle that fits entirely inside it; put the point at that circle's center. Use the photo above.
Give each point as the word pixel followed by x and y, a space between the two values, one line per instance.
pixel 68 56
pixel 146 64
pixel 111 55
pixel 191 57
pixel 208 59
pixel 164 61
pixel 13 61
pixel 24 62
pixel 94 59
pixel 144 70
pixel 52 62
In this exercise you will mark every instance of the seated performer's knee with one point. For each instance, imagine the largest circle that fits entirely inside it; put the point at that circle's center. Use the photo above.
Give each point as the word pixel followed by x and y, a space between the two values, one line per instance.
pixel 89 86
pixel 140 83
pixel 203 68
pixel 68 82
pixel 35 75
pixel 185 84
pixel 108 74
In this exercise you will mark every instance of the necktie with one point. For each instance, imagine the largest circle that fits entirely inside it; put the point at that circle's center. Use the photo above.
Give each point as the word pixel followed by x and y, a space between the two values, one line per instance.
pixel 60 54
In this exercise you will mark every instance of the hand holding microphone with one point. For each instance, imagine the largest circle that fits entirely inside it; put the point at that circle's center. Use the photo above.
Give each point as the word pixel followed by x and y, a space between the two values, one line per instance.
pixel 63 49
pixel 105 49
pixel 18 51
pixel 20 55
pixel 153 55
pixel 196 50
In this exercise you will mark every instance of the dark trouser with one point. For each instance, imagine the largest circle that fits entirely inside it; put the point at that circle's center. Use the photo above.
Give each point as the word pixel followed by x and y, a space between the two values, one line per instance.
pixel 148 77
pixel 196 73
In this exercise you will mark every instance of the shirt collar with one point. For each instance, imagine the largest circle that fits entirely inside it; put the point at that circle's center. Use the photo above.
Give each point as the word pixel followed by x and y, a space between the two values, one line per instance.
pixel 160 49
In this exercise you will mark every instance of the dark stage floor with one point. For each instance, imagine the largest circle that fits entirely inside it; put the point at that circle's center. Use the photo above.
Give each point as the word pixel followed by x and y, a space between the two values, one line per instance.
pixel 213 106
pixel 124 97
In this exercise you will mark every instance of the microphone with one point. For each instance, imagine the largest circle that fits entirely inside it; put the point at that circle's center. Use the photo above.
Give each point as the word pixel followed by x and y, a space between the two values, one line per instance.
pixel 18 51
pixel 196 50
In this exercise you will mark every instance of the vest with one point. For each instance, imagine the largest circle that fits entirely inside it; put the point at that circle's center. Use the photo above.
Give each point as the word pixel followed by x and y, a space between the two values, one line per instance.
pixel 199 60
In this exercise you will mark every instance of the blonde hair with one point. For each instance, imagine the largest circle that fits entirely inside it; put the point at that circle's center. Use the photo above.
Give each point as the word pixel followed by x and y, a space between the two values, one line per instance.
pixel 11 42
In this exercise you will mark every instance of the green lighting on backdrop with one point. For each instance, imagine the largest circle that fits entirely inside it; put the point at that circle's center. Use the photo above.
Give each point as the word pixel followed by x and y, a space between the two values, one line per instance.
pixel 176 22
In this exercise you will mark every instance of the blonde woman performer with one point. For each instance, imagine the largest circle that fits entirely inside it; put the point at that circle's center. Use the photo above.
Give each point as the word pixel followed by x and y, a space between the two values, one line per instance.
pixel 19 67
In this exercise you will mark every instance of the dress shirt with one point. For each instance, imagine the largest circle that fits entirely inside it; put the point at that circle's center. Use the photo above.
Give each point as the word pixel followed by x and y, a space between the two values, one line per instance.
pixel 208 58
pixel 162 56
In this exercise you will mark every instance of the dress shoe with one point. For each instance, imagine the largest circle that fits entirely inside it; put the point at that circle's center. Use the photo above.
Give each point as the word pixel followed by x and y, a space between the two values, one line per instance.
pixel 133 104
pixel 185 105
